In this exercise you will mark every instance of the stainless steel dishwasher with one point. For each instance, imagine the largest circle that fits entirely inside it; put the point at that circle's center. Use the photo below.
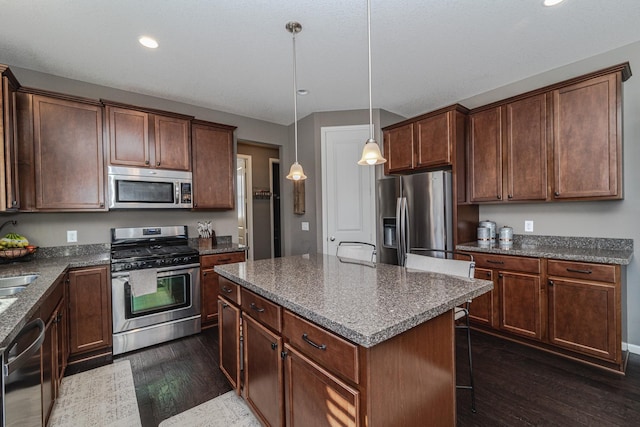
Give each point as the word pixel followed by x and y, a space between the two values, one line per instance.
pixel 21 391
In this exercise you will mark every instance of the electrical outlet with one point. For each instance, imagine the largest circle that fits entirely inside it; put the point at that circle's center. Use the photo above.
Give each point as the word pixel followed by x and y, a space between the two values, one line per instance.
pixel 305 226
pixel 72 236
pixel 528 226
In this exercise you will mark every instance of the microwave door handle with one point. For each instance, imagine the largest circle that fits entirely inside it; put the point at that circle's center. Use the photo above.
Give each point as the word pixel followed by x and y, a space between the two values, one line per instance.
pixel 177 198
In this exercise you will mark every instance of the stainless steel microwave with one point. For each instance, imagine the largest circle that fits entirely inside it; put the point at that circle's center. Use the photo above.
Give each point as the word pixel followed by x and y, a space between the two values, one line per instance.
pixel 140 188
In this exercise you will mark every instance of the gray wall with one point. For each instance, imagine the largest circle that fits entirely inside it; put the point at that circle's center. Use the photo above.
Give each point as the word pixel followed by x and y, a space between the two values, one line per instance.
pixel 617 219
pixel 49 229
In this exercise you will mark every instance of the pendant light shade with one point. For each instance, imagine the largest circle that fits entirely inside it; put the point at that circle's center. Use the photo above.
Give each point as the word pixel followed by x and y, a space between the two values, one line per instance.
pixel 371 153
pixel 295 173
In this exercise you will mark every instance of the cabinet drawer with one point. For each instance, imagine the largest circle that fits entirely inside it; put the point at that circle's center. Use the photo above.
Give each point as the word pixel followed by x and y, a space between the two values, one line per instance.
pixel 229 290
pixel 332 352
pixel 582 270
pixel 262 310
pixel 218 259
pixel 503 262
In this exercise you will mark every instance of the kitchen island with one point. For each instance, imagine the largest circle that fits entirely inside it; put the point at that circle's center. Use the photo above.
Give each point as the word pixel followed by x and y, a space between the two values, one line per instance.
pixel 370 345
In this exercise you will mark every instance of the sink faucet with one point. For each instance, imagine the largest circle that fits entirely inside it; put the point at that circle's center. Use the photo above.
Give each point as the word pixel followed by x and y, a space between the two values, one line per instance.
pixel 12 221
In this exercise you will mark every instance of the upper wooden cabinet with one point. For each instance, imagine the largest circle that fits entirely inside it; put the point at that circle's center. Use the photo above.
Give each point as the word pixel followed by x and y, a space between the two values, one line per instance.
pixel 508 152
pixel 424 142
pixel 9 188
pixel 587 147
pixel 147 138
pixel 60 152
pixel 561 142
pixel 213 165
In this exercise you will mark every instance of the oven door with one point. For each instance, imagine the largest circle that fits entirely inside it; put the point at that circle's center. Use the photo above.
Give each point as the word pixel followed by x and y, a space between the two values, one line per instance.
pixel 177 297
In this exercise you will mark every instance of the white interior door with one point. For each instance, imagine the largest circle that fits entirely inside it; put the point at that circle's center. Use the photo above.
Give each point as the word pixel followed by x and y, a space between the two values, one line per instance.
pixel 347 189
pixel 245 202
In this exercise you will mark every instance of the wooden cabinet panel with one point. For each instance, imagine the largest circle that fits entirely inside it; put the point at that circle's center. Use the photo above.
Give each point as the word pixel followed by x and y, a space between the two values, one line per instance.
pixel 434 140
pixel 213 166
pixel 229 342
pixel 334 353
pixel 89 309
pixel 526 153
pixel 263 370
pixel 129 137
pixel 229 290
pixel 485 155
pixel 315 397
pixel 264 311
pixel 521 304
pixel 61 155
pixel 9 177
pixel 210 284
pixel 586 139
pixel 484 309
pixel 584 316
pixel 172 143
pixel 398 145
pixel 506 262
pixel 584 271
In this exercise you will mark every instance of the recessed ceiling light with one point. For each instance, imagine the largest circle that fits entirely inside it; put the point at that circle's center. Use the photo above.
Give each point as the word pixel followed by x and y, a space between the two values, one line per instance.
pixel 552 2
pixel 148 42
pixel 303 92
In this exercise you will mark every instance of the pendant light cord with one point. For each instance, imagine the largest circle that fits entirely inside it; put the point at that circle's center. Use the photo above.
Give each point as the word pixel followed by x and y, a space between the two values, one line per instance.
pixel 369 41
pixel 295 97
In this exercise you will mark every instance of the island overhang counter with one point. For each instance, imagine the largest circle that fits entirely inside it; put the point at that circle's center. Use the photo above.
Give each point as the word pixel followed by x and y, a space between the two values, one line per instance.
pixel 399 321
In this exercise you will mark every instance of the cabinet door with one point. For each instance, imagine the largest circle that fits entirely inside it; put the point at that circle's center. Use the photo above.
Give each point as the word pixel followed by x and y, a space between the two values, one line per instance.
pixel 128 137
pixel 315 397
pixel 172 137
pixel 526 139
pixel 68 157
pixel 484 309
pixel 398 147
pixel 263 384
pixel 434 140
pixel 48 359
pixel 485 155
pixel 89 310
pixel 8 145
pixel 583 317
pixel 521 304
pixel 587 139
pixel 213 167
pixel 210 284
pixel 62 333
pixel 229 342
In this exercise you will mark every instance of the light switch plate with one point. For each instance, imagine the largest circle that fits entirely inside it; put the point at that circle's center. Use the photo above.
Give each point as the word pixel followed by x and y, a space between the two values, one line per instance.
pixel 305 226
pixel 528 226
pixel 72 236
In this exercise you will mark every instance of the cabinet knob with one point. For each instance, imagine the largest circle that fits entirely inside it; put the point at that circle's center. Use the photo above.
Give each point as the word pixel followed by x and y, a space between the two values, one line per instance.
pixel 550 282
pixel 157 163
pixel 500 276
pixel 274 346
pixel 556 193
pixel 195 205
pixel 499 197
pixel 204 274
pixel 510 196
pixel 488 274
pixel 146 162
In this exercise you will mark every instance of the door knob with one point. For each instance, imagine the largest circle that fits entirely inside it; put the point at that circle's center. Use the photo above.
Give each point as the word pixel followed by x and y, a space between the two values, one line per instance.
pixel 332 238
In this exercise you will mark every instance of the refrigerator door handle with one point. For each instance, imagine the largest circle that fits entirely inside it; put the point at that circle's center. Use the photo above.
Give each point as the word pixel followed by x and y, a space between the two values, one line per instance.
pixel 402 220
pixel 399 230
pixel 407 230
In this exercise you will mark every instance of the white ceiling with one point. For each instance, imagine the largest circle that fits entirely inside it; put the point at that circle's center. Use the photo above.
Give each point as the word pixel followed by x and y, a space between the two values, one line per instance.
pixel 236 55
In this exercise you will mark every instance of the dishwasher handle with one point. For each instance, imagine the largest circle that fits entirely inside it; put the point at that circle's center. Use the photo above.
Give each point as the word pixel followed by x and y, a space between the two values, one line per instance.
pixel 19 360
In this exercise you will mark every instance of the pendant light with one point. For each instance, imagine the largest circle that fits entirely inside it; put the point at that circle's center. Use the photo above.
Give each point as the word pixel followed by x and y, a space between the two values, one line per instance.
pixel 371 153
pixel 295 173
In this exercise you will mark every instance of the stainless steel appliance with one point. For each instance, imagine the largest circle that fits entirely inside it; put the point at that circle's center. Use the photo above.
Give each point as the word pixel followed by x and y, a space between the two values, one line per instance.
pixel 414 211
pixel 155 285
pixel 137 188
pixel 21 371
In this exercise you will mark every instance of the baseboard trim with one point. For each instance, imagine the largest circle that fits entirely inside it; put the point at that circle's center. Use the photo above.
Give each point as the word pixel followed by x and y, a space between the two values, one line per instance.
pixel 632 348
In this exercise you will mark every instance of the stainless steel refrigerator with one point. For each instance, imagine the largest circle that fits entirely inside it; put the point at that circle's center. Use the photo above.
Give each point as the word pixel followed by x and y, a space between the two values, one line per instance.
pixel 414 211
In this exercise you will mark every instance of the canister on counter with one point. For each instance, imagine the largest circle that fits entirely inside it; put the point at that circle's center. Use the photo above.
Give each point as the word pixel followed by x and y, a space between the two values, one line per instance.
pixel 491 225
pixel 506 237
pixel 484 237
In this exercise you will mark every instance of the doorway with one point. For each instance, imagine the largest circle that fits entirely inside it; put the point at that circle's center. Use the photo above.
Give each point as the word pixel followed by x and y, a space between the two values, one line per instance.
pixel 266 224
pixel 245 202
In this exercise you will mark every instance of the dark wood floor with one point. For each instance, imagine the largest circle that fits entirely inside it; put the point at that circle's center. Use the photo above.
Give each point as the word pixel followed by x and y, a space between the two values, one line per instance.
pixel 515 385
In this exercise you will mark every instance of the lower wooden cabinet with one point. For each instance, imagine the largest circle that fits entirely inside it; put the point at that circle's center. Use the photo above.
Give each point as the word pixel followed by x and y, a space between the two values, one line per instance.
pixel 484 309
pixel 229 341
pixel 89 312
pixel 263 384
pixel 521 304
pixel 316 397
pixel 209 284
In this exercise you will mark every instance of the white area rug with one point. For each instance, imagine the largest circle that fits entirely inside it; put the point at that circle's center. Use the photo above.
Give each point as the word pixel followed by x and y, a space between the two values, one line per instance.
pixel 101 397
pixel 226 410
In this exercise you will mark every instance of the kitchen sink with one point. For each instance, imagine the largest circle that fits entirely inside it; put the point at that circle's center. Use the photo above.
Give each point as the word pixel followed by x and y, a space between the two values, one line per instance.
pixel 11 290
pixel 17 282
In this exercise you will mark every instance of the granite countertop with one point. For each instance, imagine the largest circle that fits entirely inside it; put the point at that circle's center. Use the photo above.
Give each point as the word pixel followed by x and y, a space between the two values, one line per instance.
pixel 50 263
pixel 585 249
pixel 364 304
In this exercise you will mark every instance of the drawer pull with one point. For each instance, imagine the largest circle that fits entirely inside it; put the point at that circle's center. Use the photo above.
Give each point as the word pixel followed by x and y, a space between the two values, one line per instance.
pixel 305 337
pixel 227 290
pixel 490 261
pixel 256 308
pixel 224 259
pixel 575 270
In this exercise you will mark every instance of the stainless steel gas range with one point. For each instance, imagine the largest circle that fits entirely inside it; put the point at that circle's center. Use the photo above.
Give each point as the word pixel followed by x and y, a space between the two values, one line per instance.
pixel 155 282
